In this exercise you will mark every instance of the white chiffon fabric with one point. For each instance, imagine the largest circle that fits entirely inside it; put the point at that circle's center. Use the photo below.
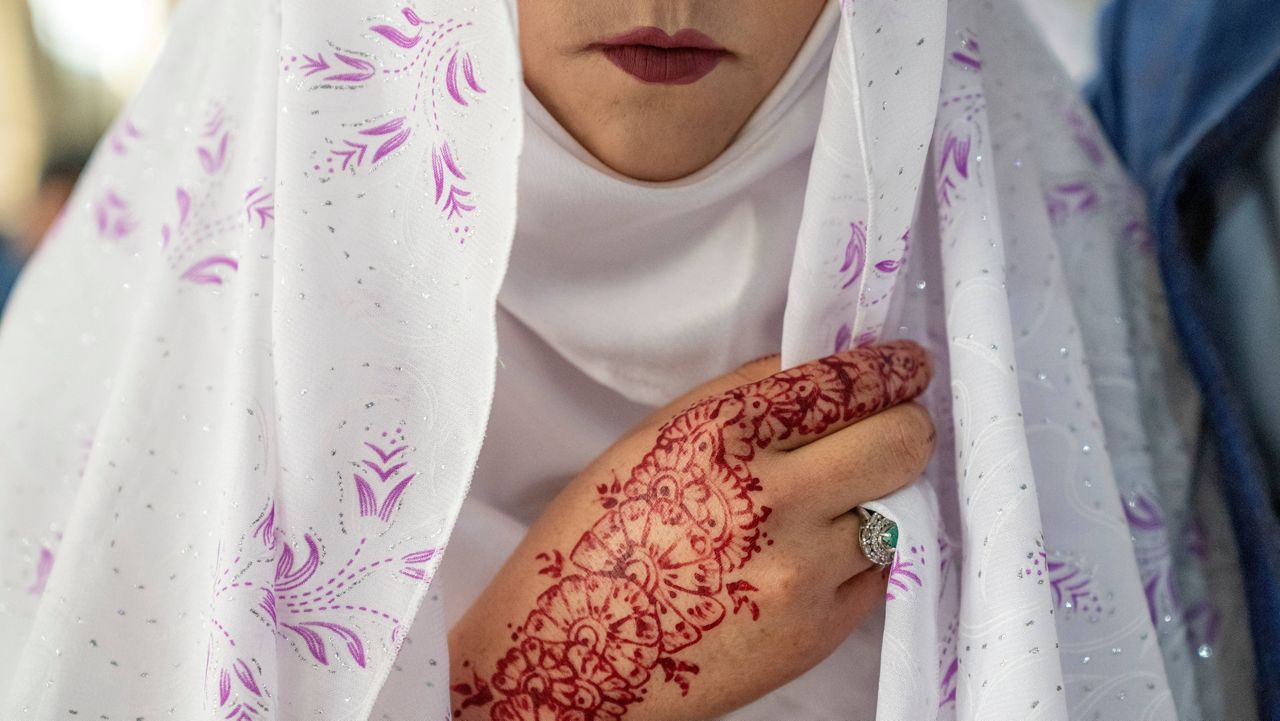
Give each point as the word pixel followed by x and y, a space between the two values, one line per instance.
pixel 247 379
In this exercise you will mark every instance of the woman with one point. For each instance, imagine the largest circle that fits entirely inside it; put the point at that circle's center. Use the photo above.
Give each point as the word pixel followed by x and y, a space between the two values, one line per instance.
pixel 264 338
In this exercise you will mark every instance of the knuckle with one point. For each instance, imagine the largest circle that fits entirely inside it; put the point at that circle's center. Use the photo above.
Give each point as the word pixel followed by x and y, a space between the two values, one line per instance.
pixel 790 582
pixel 912 437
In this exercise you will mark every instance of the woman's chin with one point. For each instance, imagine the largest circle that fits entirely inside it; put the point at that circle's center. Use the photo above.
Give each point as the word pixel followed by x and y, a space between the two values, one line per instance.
pixel 657 155
pixel 650 169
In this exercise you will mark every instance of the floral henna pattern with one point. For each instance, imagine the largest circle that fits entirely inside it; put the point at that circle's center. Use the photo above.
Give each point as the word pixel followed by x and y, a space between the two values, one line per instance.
pixel 652 575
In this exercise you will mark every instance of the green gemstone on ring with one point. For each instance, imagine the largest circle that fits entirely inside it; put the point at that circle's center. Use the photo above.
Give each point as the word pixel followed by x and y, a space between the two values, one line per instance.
pixel 877 537
pixel 890 536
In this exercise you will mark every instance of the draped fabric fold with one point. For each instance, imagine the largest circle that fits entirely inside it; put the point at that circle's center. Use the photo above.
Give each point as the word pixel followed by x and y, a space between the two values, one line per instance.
pixel 1184 140
pixel 255 356
pixel 249 375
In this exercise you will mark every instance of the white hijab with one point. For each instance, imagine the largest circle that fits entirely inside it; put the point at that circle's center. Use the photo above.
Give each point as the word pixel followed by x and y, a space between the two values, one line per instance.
pixel 248 377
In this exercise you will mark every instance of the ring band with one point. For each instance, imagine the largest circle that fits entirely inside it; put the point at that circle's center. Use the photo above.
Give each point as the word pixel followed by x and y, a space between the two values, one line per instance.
pixel 877 537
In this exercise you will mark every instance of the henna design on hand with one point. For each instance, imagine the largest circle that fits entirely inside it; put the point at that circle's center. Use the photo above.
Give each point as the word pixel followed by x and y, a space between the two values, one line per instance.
pixel 648 579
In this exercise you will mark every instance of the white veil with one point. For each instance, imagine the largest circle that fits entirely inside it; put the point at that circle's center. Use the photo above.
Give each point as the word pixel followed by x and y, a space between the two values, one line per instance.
pixel 247 378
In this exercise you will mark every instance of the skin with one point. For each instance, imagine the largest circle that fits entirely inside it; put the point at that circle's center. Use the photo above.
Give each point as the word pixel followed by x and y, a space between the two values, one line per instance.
pixel 689 570
pixel 647 131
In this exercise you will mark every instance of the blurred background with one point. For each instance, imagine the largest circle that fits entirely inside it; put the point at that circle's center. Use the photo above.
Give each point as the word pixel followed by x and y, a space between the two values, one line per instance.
pixel 66 68
pixel 70 65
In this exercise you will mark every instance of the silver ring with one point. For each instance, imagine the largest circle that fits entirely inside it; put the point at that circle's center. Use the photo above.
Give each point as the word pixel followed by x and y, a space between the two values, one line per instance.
pixel 877 537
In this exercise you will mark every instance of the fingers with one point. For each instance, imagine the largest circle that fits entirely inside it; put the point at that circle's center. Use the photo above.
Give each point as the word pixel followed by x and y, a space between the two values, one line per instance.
pixel 862 594
pixel 797 406
pixel 745 374
pixel 861 463
pixel 844 556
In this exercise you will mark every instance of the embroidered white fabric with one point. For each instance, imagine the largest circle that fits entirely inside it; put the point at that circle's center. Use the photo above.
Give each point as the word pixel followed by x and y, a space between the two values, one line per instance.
pixel 248 376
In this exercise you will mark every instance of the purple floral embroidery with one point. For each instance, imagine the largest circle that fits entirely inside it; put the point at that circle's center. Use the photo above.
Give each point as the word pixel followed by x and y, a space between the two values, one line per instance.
pixel 945 563
pixel 902 574
pixel 948 665
pixel 1194 541
pixel 845 341
pixel 213 149
pixel 1072 587
pixel 414 564
pixel 309 631
pixel 441 71
pixel 308 596
pixel 1087 137
pixel 1066 199
pixel 1158 584
pixel 185 240
pixel 234 686
pixel 1154 561
pixel 1138 233
pixel 1142 514
pixel 44 566
pixel 948 685
pixel 1202 624
pixel 899 260
pixel 112 217
pixel 295 592
pixel 396 36
pixel 468 74
pixel 358 70
pixel 369 503
pixel 389 136
pixel 953 163
pixel 258 201
pixel 446 172
pixel 125 132
pixel 844 338
pixel 397 132
pixel 956 151
pixel 968 57
pixel 211 270
pixel 183 198
pixel 1038 565
pixel 855 253
pixel 960 138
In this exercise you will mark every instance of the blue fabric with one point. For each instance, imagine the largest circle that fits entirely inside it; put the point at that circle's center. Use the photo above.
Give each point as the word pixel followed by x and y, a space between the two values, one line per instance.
pixel 9 267
pixel 1242 273
pixel 1185 90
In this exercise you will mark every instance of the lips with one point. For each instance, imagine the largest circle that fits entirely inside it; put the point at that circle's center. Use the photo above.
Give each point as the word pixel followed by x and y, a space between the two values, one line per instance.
pixel 652 56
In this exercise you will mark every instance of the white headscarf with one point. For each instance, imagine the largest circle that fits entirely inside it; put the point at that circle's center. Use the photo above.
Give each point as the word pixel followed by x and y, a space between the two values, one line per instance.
pixel 650 288
pixel 246 380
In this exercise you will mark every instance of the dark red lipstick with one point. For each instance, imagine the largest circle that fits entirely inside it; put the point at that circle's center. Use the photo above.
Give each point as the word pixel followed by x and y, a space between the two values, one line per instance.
pixel 652 56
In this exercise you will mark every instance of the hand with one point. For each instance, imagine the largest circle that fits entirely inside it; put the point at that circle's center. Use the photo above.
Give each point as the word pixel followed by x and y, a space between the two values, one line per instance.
pixel 705 559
